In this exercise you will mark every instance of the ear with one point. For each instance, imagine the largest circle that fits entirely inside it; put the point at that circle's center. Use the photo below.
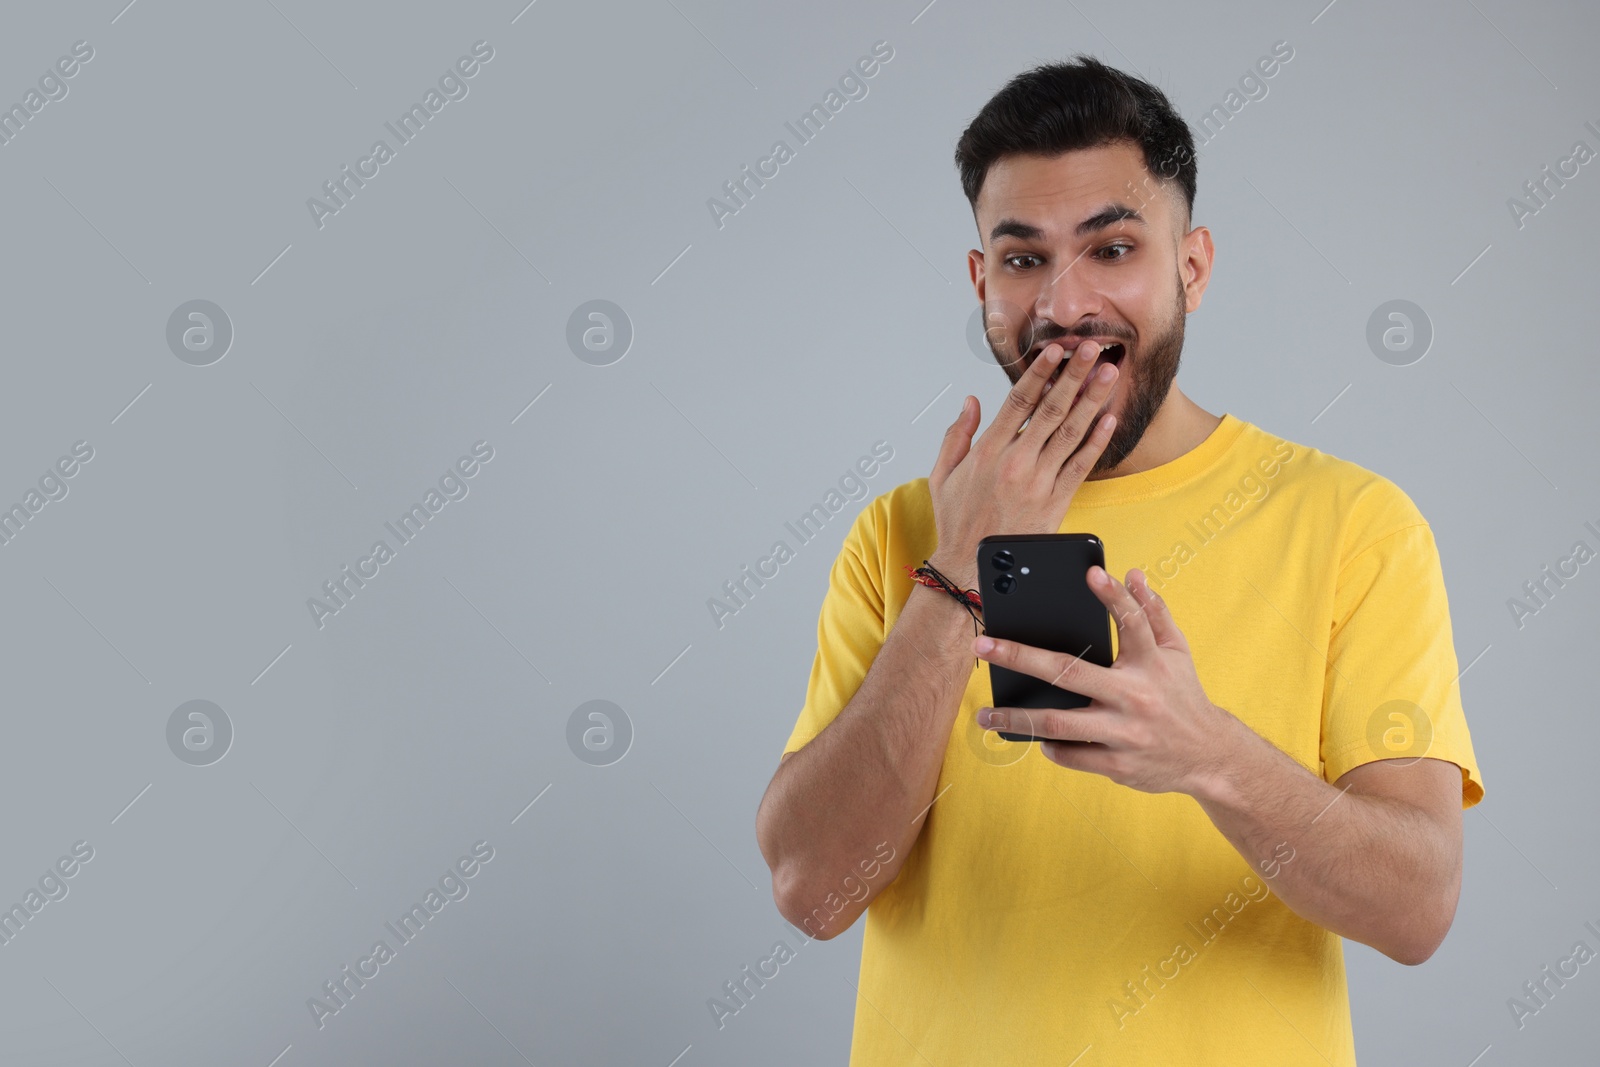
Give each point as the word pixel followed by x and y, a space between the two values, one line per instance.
pixel 1195 255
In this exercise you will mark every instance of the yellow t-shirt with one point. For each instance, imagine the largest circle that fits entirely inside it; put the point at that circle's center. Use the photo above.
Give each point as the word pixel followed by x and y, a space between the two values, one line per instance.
pixel 1044 913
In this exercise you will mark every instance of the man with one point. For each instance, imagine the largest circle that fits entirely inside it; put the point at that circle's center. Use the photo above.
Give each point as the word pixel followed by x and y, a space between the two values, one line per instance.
pixel 1278 757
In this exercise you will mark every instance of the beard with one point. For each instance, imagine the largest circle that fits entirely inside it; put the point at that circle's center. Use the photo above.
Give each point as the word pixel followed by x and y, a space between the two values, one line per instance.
pixel 1144 378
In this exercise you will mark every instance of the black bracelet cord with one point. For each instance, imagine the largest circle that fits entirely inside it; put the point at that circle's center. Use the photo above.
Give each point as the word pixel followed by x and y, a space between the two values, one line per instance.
pixel 969 599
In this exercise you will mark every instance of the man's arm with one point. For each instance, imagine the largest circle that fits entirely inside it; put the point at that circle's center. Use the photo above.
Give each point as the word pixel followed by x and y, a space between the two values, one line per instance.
pixel 869 776
pixel 1377 860
pixel 1375 857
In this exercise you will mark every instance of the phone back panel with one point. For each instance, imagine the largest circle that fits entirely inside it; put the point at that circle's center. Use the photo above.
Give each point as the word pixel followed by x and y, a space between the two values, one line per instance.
pixel 1046 603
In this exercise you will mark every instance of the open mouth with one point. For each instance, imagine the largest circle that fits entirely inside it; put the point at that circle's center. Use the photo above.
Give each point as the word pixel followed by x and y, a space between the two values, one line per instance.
pixel 1111 352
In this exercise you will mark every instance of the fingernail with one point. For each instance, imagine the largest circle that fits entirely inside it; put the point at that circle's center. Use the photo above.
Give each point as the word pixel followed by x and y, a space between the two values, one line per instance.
pixel 984 644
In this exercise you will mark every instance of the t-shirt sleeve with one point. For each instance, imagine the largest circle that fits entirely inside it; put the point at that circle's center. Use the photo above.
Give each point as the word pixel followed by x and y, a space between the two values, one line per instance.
pixel 850 629
pixel 1392 682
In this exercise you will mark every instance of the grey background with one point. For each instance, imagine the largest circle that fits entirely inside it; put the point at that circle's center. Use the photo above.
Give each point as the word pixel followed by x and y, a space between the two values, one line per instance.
pixel 768 356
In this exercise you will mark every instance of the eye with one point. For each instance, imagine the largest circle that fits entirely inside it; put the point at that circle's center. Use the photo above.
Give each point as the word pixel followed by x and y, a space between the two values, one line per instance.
pixel 1011 260
pixel 1124 246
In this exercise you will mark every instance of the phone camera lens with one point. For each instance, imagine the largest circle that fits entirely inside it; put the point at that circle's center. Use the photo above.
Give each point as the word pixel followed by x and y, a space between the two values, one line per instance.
pixel 1003 560
pixel 1004 584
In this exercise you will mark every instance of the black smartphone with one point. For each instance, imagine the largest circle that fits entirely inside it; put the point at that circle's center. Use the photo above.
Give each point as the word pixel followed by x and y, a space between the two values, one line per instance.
pixel 1035 590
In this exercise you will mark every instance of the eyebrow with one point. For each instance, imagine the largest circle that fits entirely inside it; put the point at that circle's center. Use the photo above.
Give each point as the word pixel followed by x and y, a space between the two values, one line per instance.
pixel 1109 215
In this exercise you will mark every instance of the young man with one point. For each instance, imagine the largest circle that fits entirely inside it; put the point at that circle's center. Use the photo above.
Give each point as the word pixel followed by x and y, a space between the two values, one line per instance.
pixel 1278 757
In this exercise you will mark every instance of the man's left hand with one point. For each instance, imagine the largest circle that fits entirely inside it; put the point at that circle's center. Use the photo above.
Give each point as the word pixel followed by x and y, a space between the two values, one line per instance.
pixel 1149 724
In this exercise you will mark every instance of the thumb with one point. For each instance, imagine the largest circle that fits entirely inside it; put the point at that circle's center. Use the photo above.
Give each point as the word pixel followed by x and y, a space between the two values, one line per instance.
pixel 957 440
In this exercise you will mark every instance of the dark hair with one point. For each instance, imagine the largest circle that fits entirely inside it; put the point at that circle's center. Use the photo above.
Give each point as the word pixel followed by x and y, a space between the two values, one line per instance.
pixel 1063 107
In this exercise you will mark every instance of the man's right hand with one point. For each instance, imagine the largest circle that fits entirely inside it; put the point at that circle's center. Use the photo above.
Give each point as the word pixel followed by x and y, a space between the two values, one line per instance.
pixel 1018 483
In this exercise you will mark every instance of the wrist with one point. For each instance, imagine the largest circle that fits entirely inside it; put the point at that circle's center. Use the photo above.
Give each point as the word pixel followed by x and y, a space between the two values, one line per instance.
pixel 956 605
pixel 1219 780
pixel 963 572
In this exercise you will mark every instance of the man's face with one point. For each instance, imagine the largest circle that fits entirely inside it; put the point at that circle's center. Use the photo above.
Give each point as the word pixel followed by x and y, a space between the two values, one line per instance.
pixel 1086 245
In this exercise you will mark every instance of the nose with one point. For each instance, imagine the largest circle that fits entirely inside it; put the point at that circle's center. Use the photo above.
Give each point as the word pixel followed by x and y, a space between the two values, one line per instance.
pixel 1068 296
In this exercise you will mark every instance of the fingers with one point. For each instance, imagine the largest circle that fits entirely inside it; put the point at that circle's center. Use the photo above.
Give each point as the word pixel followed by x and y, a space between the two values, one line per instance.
pixel 1076 756
pixel 1163 626
pixel 1060 669
pixel 1080 463
pixel 1059 401
pixel 957 441
pixel 1085 411
pixel 1024 396
pixel 1133 625
pixel 1058 724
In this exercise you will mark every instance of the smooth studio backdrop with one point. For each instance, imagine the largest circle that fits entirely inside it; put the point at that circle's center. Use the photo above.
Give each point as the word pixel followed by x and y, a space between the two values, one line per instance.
pixel 347 363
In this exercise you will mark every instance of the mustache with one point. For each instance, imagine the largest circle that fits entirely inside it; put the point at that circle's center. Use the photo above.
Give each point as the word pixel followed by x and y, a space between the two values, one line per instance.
pixel 1041 339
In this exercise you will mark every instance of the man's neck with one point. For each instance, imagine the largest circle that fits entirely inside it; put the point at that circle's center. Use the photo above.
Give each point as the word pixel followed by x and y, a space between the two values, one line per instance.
pixel 1180 426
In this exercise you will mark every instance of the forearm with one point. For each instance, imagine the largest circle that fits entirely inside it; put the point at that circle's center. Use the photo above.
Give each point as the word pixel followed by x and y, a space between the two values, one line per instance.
pixel 869 776
pixel 1370 868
